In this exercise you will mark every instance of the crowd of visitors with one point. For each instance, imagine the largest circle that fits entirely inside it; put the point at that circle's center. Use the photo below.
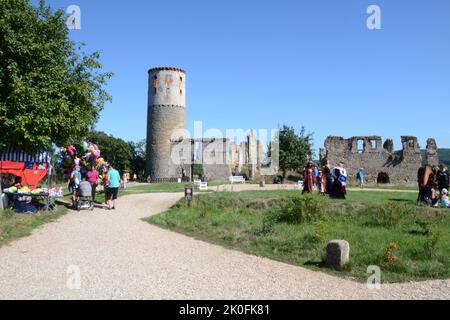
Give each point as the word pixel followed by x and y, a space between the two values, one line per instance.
pixel 434 186
pixel 326 181
pixel 83 186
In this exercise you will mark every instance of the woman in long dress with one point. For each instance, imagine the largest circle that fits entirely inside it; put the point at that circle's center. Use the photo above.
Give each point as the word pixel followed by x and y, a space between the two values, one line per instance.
pixel 308 176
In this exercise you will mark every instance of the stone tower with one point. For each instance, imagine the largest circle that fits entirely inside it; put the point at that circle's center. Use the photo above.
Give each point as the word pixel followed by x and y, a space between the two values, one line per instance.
pixel 166 120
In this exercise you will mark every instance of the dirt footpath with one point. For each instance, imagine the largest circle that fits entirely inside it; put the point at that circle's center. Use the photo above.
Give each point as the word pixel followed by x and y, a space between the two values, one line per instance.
pixel 115 255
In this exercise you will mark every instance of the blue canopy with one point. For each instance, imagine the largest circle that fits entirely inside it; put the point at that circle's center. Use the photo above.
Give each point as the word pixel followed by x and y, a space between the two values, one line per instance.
pixel 12 155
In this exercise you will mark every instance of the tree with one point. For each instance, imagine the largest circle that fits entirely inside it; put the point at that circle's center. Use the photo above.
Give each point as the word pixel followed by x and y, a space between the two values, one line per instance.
pixel 115 151
pixel 295 149
pixel 50 91
pixel 138 158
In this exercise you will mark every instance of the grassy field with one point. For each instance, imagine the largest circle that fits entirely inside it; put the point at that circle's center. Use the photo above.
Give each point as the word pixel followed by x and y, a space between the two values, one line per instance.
pixel 386 229
pixel 14 226
pixel 408 187
pixel 159 187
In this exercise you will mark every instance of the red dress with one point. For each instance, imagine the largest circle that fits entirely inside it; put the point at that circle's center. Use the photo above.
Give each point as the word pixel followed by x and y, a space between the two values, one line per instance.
pixel 308 175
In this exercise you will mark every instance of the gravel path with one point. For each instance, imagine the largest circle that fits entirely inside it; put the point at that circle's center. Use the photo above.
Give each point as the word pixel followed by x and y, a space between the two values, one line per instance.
pixel 121 257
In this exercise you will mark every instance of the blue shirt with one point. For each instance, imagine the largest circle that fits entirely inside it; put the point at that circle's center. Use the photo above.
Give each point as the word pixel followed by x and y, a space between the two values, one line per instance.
pixel 361 176
pixel 113 178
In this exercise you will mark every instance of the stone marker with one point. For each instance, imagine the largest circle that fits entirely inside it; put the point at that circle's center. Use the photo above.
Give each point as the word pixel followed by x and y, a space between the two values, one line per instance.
pixel 338 254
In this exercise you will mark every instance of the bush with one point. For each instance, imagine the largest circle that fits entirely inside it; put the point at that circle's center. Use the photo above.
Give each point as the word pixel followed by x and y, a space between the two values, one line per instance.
pixel 299 210
pixel 389 215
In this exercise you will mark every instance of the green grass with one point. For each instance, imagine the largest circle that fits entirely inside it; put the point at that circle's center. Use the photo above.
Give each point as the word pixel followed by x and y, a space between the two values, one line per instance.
pixel 407 187
pixel 14 226
pixel 160 187
pixel 253 222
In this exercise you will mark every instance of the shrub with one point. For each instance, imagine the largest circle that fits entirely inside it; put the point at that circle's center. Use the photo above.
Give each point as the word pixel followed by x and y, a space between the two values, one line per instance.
pixel 431 241
pixel 298 210
pixel 389 215
pixel 321 229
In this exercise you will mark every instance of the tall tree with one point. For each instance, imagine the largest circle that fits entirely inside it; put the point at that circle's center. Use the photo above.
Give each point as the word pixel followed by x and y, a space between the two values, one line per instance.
pixel 295 149
pixel 50 91
pixel 138 158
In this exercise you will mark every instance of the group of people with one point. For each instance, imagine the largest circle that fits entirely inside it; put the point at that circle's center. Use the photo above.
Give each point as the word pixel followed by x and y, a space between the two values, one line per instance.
pixel 434 186
pixel 332 182
pixel 86 185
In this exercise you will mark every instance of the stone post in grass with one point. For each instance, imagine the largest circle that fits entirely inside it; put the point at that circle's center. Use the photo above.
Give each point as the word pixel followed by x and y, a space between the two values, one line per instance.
pixel 338 254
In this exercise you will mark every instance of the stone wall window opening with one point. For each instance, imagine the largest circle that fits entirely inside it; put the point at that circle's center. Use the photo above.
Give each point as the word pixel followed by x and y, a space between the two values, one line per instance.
pixel 373 144
pixel 361 145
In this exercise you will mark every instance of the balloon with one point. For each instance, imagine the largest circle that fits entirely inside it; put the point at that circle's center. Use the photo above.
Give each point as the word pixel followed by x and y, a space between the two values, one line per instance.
pixel 84 146
pixel 77 161
pixel 88 155
pixel 71 150
pixel 97 153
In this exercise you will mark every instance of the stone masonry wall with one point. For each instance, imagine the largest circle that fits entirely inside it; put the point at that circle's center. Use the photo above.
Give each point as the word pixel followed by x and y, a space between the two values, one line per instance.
pixel 370 153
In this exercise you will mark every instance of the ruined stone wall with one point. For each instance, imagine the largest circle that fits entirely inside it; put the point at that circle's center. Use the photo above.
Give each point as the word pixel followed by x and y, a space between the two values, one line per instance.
pixel 375 157
pixel 432 157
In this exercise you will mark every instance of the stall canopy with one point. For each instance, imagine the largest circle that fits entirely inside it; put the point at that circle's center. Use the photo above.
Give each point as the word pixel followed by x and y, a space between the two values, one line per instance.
pixel 31 168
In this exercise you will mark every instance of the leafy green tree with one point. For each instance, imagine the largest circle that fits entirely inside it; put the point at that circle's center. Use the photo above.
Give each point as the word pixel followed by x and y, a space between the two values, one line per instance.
pixel 295 149
pixel 50 91
pixel 114 150
pixel 138 158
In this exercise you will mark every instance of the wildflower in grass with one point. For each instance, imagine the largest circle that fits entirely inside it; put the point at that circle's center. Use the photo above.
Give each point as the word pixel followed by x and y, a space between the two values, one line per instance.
pixel 393 245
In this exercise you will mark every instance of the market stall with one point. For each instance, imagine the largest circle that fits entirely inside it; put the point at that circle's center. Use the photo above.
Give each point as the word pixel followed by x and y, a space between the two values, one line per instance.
pixel 29 171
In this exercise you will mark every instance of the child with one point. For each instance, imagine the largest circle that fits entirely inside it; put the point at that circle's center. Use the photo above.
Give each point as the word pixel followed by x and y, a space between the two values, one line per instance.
pixel 320 183
pixel 445 202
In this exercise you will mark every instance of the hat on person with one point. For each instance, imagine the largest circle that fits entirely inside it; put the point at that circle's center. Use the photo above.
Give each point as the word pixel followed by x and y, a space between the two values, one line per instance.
pixel 444 191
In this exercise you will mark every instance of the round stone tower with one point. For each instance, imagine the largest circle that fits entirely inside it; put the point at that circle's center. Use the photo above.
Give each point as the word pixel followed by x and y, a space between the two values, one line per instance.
pixel 166 120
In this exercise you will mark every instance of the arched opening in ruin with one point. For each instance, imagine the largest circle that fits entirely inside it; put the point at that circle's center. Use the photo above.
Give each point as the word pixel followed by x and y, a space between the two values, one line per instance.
pixel 361 146
pixel 383 178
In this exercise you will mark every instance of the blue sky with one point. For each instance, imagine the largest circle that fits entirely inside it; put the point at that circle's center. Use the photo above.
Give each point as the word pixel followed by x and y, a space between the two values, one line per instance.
pixel 258 64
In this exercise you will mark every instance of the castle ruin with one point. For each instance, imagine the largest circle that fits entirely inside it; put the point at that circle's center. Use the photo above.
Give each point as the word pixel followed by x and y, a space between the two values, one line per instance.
pixel 171 155
pixel 382 164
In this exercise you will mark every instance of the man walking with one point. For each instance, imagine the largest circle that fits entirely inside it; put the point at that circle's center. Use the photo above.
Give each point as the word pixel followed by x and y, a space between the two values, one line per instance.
pixel 361 178
pixel 113 187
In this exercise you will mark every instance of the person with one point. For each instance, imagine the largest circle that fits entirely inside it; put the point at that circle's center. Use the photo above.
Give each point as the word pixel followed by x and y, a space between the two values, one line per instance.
pixel 105 183
pixel 308 177
pixel 339 187
pixel 92 178
pixel 328 180
pixel 74 182
pixel 113 187
pixel 445 202
pixel 361 177
pixel 316 171
pixel 443 178
pixel 124 180
pixel 320 182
